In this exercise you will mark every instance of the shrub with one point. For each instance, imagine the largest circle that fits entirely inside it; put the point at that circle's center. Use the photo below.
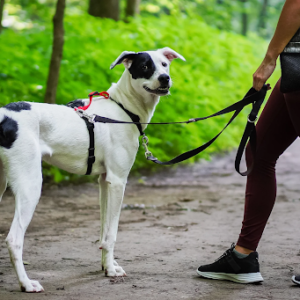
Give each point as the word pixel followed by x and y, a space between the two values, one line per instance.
pixel 217 73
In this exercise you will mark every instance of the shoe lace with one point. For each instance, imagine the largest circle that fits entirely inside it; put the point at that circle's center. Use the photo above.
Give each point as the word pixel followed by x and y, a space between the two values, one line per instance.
pixel 228 251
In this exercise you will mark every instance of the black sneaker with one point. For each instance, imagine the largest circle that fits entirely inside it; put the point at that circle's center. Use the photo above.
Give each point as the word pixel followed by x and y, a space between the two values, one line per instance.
pixel 230 267
pixel 296 279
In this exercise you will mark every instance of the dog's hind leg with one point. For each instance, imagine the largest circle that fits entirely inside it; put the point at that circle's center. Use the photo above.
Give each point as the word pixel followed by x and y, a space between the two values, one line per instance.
pixel 25 179
pixel 110 220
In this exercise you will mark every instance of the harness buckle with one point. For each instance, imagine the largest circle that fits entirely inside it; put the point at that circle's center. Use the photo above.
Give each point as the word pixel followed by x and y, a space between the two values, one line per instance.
pixel 80 112
pixel 90 118
pixel 91 159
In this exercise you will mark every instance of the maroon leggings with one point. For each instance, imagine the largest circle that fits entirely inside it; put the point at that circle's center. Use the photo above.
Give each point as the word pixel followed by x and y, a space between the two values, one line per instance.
pixel 277 129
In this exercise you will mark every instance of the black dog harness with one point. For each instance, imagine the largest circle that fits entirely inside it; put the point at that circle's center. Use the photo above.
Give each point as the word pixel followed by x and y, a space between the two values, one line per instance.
pixel 90 126
pixel 253 97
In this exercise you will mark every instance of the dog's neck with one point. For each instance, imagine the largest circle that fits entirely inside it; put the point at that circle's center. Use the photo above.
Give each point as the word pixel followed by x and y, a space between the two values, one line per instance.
pixel 142 105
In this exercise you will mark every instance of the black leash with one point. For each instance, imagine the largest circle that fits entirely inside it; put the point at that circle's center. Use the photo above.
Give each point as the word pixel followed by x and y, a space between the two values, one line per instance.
pixel 253 96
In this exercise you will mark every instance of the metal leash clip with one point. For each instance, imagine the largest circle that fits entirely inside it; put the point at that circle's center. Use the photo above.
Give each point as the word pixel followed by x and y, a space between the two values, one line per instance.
pixel 145 142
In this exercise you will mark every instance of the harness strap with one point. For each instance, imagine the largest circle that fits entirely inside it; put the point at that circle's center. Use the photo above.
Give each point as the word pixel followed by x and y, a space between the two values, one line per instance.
pixel 135 118
pixel 91 156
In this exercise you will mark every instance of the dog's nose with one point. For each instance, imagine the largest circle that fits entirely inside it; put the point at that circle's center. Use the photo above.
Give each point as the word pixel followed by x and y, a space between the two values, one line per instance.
pixel 164 79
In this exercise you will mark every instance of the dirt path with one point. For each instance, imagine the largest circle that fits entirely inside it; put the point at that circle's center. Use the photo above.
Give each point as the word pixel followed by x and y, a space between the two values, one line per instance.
pixel 191 216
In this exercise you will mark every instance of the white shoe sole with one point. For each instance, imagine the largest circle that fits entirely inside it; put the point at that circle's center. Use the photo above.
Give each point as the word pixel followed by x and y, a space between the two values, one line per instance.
pixel 295 281
pixel 239 278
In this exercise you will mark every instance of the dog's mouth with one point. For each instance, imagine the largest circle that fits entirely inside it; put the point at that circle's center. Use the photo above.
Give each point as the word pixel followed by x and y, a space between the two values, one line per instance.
pixel 159 91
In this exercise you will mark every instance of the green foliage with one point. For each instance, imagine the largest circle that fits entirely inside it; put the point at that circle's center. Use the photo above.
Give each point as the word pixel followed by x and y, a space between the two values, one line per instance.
pixel 218 72
pixel 222 14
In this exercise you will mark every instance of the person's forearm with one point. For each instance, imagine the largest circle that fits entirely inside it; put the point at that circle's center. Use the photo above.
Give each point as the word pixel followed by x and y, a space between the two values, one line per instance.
pixel 288 24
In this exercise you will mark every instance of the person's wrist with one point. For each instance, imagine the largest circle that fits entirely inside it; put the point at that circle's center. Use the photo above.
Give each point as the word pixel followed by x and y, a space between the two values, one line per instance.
pixel 271 56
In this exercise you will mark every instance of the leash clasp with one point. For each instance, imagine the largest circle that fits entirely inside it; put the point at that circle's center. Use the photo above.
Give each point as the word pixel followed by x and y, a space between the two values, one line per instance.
pixel 145 142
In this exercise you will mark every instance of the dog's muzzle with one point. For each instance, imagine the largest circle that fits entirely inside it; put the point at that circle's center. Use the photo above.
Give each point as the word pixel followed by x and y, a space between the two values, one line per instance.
pixel 164 80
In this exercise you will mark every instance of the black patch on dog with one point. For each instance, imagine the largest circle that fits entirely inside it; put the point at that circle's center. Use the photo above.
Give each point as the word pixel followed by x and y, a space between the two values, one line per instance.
pixel 18 106
pixel 75 103
pixel 142 66
pixel 8 132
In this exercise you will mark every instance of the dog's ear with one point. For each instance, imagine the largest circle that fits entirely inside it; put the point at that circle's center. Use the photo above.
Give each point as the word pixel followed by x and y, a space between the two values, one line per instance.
pixel 170 54
pixel 126 58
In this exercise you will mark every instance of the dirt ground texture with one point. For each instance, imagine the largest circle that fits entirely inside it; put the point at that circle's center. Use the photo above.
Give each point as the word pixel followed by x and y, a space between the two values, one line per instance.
pixel 173 222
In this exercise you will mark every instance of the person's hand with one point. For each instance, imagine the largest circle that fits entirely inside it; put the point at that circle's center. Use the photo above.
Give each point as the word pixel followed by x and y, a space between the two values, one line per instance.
pixel 263 72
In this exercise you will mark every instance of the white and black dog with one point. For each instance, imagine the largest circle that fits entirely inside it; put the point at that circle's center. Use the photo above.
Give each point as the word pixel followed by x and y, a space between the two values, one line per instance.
pixel 31 132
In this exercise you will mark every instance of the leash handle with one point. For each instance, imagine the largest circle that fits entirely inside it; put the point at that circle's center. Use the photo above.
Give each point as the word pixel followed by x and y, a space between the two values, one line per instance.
pixel 250 134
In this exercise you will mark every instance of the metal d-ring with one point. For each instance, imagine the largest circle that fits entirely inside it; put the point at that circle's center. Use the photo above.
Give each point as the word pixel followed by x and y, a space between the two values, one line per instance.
pixel 253 120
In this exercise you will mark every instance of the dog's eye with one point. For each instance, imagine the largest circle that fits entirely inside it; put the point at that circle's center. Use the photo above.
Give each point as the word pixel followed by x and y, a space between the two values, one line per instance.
pixel 144 67
pixel 164 64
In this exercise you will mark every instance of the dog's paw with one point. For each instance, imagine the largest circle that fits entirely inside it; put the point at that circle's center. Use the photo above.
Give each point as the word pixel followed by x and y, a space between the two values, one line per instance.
pixel 115 271
pixel 32 286
pixel 115 263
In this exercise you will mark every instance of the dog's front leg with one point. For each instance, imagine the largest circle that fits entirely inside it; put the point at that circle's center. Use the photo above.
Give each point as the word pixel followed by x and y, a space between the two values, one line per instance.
pixel 103 207
pixel 111 197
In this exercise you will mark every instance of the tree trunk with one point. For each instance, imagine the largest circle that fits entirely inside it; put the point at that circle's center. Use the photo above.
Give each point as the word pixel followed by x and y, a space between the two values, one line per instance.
pixel 105 9
pixel 132 8
pixel 57 50
pixel 263 15
pixel 1 13
pixel 244 18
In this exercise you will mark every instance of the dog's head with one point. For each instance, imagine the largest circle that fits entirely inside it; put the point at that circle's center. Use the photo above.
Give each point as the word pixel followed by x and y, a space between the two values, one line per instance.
pixel 149 70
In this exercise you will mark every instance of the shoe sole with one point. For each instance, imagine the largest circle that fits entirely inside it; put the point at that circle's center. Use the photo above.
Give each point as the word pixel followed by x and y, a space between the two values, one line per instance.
pixel 295 281
pixel 239 278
